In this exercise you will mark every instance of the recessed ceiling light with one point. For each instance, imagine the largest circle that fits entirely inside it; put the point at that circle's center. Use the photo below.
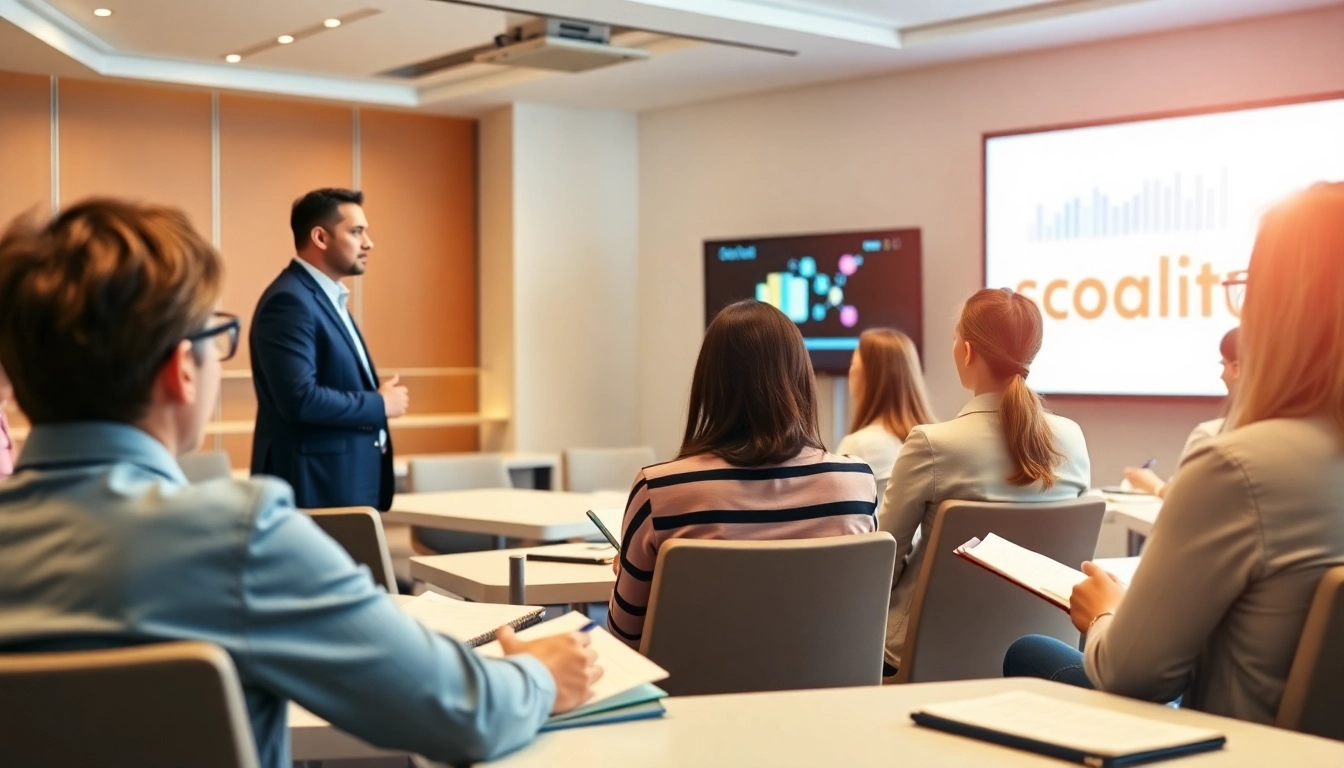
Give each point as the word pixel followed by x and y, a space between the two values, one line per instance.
pixel 104 12
pixel 331 23
pixel 285 39
pixel 233 58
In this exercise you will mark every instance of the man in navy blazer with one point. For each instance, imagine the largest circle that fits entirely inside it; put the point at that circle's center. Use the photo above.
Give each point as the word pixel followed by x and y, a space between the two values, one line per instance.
pixel 321 413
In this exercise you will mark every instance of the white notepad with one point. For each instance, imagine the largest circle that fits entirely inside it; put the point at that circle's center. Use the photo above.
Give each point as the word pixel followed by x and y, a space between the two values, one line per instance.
pixel 1086 730
pixel 623 668
pixel 1044 576
pixel 470 623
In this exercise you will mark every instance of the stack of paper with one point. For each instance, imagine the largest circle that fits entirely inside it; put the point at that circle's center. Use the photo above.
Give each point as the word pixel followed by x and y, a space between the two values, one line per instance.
pixel 1078 732
pixel 470 623
pixel 626 690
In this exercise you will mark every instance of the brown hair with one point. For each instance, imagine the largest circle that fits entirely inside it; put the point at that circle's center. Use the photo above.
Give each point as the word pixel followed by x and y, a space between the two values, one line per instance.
pixel 92 305
pixel 1292 324
pixel 892 390
pixel 1005 329
pixel 753 396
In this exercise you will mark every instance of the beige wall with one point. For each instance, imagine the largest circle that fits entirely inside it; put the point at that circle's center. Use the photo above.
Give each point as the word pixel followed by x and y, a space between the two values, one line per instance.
pixel 905 150
pixel 417 305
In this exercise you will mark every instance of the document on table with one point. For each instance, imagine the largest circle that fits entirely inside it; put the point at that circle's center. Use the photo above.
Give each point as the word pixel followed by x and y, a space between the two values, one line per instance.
pixel 1079 732
pixel 470 623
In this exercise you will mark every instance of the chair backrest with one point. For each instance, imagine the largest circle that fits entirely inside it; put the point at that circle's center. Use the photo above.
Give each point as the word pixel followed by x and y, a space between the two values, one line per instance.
pixel 360 531
pixel 1314 694
pixel 604 469
pixel 201 466
pixel 733 616
pixel 456 472
pixel 148 706
pixel 963 618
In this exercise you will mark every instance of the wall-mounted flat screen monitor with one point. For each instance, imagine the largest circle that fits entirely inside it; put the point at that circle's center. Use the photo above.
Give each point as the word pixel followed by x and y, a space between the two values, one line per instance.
pixel 1124 233
pixel 833 286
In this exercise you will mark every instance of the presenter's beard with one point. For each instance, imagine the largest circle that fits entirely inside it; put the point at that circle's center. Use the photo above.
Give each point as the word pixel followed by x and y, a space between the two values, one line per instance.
pixel 359 266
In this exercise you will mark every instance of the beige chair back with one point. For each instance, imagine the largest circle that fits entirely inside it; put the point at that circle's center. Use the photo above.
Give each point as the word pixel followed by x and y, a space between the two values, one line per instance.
pixel 604 469
pixel 1313 698
pixel 148 706
pixel 202 466
pixel 963 618
pixel 454 472
pixel 360 531
pixel 732 616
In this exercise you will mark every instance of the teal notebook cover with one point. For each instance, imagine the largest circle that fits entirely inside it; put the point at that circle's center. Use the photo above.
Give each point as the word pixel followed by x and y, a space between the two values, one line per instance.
pixel 612 710
pixel 648 709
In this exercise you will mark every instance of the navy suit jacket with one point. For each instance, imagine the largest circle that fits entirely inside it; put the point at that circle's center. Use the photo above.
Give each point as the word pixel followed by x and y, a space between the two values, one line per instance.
pixel 318 414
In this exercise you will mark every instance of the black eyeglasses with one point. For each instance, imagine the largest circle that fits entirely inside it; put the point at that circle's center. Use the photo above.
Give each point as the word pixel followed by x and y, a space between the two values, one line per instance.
pixel 1235 285
pixel 225 335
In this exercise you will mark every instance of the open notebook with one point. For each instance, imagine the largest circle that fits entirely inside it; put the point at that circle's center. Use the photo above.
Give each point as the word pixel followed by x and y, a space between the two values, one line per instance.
pixel 1083 734
pixel 470 623
pixel 626 690
pixel 1030 570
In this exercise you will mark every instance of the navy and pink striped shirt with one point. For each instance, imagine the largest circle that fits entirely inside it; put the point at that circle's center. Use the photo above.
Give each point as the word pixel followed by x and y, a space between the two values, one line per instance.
pixel 813 495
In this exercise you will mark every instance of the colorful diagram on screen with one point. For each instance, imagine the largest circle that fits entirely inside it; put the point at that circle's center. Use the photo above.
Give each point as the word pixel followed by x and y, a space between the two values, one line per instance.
pixel 805 295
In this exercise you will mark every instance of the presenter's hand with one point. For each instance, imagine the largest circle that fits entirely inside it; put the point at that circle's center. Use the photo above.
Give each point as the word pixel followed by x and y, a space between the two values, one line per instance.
pixel 396 398
pixel 1145 480
pixel 1099 593
pixel 569 658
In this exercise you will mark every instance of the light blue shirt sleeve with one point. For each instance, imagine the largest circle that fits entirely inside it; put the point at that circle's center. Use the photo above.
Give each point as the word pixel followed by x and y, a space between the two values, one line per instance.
pixel 318 631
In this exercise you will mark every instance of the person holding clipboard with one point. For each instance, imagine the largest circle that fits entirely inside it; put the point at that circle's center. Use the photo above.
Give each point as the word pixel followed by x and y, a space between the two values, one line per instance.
pixel 1216 608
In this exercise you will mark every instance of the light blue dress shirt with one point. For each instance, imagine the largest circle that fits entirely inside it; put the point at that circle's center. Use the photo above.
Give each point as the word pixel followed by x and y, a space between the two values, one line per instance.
pixel 103 542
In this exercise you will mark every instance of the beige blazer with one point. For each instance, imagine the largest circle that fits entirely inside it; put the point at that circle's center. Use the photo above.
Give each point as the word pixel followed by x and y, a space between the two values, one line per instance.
pixel 1253 520
pixel 964 459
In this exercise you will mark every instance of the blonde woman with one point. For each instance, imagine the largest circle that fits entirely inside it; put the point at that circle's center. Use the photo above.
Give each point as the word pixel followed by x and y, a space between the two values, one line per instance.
pixel 1003 446
pixel 886 386
pixel 1256 515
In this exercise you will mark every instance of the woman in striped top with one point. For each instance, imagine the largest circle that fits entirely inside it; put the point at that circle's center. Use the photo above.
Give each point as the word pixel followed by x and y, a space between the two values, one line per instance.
pixel 751 465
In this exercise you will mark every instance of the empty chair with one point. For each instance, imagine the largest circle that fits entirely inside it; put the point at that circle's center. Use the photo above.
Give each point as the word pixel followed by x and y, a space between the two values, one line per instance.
pixel 963 617
pixel 1314 694
pixel 201 466
pixel 604 469
pixel 148 706
pixel 459 472
pixel 360 531
pixel 732 616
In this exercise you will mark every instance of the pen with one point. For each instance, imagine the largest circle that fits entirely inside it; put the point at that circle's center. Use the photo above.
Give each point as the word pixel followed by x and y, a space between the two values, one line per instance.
pixel 1149 464
pixel 589 627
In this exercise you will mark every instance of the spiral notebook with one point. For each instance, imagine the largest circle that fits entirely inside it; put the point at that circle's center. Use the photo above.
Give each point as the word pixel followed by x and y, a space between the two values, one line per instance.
pixel 470 623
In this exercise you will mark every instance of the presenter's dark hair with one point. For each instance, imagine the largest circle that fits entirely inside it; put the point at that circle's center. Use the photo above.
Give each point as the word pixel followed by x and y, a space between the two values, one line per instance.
pixel 319 208
pixel 93 303
pixel 753 396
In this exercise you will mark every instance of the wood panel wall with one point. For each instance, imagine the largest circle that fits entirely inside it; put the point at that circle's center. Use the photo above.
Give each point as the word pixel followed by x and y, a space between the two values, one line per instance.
pixel 417 305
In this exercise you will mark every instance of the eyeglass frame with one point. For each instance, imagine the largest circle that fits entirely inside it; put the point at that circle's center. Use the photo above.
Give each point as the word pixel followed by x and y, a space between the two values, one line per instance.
pixel 1230 284
pixel 233 326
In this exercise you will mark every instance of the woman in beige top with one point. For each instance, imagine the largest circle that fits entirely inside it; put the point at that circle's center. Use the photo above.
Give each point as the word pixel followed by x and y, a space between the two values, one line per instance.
pixel 1003 446
pixel 886 386
pixel 1255 516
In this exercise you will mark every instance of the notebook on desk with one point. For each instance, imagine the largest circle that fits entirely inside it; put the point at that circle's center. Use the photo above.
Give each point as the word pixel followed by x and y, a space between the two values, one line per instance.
pixel 1093 736
pixel 625 691
pixel 470 623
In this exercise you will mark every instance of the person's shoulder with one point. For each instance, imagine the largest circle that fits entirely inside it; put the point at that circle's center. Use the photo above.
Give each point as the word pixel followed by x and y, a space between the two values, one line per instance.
pixel 844 462
pixel 285 284
pixel 683 465
pixel 246 500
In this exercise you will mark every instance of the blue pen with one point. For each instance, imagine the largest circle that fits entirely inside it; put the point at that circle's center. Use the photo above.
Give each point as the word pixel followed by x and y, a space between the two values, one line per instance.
pixel 1149 464
pixel 589 627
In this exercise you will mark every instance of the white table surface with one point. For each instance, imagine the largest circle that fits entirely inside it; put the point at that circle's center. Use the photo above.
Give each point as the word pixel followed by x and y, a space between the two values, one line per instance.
pixel 845 727
pixel 1123 567
pixel 1136 512
pixel 483 577
pixel 515 512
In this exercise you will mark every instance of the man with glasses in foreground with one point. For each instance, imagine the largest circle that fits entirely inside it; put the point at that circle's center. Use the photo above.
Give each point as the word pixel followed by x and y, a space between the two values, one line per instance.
pixel 110 335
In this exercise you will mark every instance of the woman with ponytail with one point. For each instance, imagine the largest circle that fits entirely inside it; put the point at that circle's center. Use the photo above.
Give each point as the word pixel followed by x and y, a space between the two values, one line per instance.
pixel 1003 446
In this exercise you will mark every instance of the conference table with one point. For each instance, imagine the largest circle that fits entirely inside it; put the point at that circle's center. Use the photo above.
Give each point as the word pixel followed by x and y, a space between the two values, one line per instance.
pixel 852 727
pixel 484 577
pixel 518 513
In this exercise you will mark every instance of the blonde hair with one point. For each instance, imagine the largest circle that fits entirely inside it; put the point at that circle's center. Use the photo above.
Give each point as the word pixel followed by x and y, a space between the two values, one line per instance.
pixel 1005 329
pixel 892 389
pixel 1292 324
